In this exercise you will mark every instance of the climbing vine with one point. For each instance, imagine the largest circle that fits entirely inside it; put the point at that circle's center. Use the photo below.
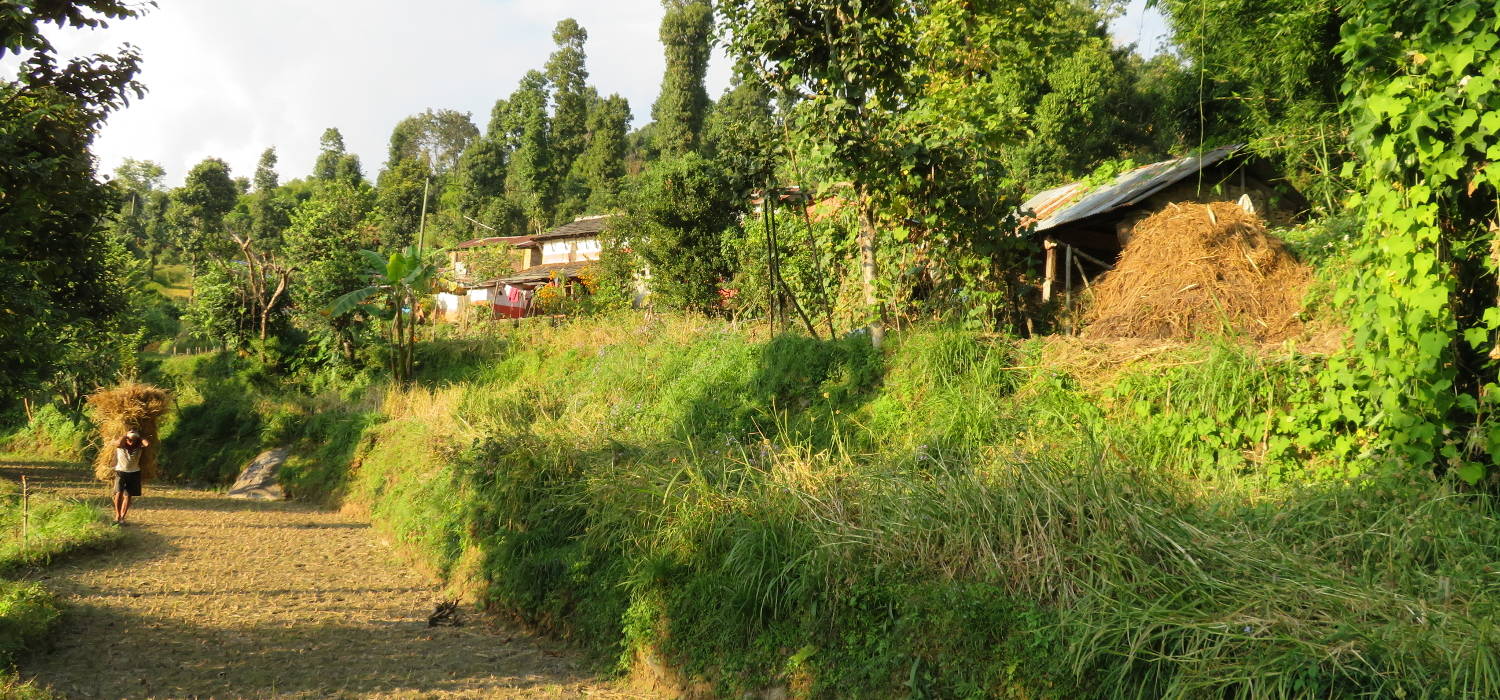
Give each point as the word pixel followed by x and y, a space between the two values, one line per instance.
pixel 1418 384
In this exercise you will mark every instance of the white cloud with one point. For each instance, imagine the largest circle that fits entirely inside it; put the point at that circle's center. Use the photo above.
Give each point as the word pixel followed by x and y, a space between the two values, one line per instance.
pixel 228 78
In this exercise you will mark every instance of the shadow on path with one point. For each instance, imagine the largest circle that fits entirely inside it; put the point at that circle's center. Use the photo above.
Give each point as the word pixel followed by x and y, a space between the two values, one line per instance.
pixel 204 596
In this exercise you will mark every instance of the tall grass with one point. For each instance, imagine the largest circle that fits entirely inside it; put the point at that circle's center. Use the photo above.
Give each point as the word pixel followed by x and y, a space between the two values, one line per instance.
pixel 963 517
pixel 51 432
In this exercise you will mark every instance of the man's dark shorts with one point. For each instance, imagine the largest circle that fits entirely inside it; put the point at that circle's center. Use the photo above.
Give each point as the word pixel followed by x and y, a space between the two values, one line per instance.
pixel 128 482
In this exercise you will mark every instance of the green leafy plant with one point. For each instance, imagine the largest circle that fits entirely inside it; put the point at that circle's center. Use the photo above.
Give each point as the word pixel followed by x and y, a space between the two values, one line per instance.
pixel 400 285
pixel 1419 386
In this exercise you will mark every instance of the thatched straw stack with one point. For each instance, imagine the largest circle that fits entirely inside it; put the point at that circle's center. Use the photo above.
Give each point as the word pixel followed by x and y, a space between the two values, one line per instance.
pixel 1195 269
pixel 126 407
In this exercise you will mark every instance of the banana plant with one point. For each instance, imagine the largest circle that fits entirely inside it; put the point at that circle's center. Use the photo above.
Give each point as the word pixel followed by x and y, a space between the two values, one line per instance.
pixel 398 285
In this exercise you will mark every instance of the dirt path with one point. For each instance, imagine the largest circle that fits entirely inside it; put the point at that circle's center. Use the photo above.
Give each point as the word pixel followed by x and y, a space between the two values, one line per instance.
pixel 210 597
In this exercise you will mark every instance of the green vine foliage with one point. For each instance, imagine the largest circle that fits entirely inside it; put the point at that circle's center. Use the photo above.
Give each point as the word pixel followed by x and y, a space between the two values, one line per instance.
pixel 1418 385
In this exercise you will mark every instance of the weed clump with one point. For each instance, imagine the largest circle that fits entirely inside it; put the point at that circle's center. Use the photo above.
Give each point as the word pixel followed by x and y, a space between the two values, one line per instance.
pixel 1200 269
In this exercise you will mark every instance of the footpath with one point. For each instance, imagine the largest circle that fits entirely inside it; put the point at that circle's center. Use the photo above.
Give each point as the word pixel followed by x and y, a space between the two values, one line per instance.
pixel 209 597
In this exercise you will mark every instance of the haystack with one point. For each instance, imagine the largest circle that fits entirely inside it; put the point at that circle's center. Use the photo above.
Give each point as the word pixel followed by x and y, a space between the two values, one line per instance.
pixel 1194 269
pixel 123 408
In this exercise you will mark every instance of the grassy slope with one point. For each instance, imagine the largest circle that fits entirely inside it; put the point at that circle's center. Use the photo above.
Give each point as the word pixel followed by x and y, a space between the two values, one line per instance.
pixel 960 518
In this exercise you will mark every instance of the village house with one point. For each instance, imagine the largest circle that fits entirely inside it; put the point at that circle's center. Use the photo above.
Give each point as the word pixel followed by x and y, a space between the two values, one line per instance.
pixel 1084 228
pixel 559 255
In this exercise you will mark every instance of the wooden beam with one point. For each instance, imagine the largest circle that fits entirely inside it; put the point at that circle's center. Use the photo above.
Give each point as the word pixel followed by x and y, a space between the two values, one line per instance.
pixel 1049 277
pixel 1068 276
pixel 1093 259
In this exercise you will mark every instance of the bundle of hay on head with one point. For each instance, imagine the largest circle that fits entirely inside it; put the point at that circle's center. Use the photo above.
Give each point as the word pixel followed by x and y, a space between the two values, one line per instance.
pixel 127 407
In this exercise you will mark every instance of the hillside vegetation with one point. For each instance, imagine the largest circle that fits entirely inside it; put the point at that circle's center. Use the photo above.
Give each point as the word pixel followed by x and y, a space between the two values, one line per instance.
pixel 961 516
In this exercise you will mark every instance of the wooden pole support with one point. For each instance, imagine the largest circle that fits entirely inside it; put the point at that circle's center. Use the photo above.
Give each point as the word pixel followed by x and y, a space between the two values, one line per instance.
pixel 25 516
pixel 1049 277
pixel 1068 276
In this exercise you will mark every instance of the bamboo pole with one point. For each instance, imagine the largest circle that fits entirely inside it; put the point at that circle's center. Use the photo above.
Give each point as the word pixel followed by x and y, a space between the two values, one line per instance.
pixel 867 268
pixel 25 516
pixel 817 254
pixel 765 219
pixel 777 284
pixel 1068 276
pixel 1093 260
pixel 1081 274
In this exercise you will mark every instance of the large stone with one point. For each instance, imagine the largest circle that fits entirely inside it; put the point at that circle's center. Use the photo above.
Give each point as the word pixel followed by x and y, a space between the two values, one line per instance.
pixel 258 482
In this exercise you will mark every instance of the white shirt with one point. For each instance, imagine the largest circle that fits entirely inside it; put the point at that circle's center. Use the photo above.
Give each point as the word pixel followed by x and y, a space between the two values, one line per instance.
pixel 127 460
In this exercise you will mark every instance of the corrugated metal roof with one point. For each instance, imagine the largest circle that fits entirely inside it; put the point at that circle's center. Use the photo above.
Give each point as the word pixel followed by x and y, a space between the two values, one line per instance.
pixel 1056 207
pixel 543 273
pixel 492 240
pixel 583 226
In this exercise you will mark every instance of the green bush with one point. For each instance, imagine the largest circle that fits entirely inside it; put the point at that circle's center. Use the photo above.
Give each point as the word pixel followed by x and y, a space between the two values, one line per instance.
pixel 229 408
pixel 27 611
pixel 53 432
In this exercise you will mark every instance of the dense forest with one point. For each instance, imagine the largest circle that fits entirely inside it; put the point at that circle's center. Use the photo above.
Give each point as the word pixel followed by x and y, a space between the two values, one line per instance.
pixel 857 192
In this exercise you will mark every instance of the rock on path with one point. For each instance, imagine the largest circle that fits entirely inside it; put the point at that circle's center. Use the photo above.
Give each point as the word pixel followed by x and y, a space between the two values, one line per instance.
pixel 210 597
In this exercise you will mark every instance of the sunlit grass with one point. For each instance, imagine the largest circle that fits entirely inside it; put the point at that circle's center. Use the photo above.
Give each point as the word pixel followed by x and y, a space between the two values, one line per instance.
pixel 969 517
pixel 33 530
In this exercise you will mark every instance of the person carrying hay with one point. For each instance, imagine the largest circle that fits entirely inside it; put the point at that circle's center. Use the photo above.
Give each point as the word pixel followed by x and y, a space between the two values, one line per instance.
pixel 127 417
pixel 128 453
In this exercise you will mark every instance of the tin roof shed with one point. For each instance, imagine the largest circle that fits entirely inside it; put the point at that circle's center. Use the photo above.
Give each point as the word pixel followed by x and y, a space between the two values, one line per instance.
pixel 1090 225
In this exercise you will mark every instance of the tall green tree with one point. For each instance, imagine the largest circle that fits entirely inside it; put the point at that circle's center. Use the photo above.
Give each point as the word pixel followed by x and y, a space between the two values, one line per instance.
pixel 330 152
pixel 55 261
pixel 398 200
pixel 479 187
pixel 334 163
pixel 138 181
pixel 322 246
pixel 741 133
pixel 530 179
pixel 857 80
pixel 206 196
pixel 568 74
pixel 270 212
pixel 265 171
pixel 434 138
pixel 675 216
pixel 602 166
pixel 687 36
pixel 139 177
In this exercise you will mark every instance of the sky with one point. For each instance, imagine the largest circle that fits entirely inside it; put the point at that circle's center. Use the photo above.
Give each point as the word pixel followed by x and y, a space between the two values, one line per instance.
pixel 229 78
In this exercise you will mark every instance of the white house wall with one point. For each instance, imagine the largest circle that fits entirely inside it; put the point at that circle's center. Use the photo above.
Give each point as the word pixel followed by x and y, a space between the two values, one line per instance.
pixel 570 251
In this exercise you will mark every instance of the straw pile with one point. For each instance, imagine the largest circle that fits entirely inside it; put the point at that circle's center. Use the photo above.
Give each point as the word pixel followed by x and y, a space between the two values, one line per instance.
pixel 123 408
pixel 1200 268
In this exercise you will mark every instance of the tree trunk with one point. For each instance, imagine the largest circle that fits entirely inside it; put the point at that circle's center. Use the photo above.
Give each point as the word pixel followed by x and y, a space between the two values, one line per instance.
pixel 867 269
